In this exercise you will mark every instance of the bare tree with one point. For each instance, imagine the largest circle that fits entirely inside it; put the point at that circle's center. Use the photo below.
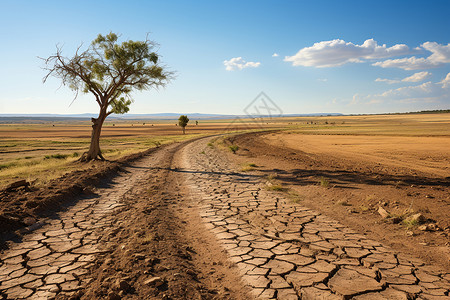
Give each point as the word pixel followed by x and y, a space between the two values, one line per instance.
pixel 110 71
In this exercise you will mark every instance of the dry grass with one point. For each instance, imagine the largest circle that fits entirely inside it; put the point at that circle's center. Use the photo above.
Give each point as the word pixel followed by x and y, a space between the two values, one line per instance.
pixel 323 182
pixel 248 167
pixel 39 161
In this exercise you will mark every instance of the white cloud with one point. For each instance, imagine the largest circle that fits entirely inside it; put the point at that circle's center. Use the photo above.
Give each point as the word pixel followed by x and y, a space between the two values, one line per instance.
pixel 410 63
pixel 338 52
pixel 416 77
pixel 275 55
pixel 237 63
pixel 446 81
pixel 389 81
pixel 440 55
pixel 425 92
pixel 322 79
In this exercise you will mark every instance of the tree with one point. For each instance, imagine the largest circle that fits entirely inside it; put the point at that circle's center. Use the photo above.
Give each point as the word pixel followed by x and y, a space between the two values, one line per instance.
pixel 183 121
pixel 110 71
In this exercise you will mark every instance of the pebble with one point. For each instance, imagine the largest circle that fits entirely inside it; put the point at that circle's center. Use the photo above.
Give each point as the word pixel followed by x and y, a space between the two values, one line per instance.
pixel 154 281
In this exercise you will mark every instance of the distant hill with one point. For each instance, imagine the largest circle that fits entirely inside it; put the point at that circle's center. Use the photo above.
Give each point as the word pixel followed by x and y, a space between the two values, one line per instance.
pixel 158 116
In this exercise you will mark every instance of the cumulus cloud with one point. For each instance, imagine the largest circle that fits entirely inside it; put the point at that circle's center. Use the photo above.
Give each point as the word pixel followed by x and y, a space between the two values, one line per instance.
pixel 237 63
pixel 338 52
pixel 446 81
pixel 425 92
pixel 416 77
pixel 275 55
pixel 407 63
pixel 389 81
pixel 440 55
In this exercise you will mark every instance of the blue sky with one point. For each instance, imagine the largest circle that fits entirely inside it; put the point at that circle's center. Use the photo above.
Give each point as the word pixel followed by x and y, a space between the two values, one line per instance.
pixel 307 56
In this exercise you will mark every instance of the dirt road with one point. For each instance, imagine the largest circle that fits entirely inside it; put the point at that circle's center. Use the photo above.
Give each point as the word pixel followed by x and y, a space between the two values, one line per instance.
pixel 182 223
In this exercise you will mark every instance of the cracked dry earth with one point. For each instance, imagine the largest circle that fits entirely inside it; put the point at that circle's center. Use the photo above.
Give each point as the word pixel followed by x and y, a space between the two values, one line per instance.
pixel 285 251
pixel 53 258
pixel 280 249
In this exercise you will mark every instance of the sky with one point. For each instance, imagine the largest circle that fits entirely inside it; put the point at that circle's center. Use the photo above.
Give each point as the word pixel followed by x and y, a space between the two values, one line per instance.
pixel 349 57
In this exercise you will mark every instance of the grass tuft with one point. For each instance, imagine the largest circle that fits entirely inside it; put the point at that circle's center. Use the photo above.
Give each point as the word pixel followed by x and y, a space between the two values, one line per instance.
pixel 410 223
pixel 248 167
pixel 276 187
pixel 324 182
pixel 233 148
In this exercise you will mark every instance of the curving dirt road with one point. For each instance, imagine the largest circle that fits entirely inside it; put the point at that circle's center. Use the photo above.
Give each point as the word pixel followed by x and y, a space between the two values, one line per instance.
pixel 181 223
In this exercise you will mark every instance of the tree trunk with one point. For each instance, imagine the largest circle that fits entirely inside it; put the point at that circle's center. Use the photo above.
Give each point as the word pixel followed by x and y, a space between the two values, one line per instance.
pixel 94 149
pixel 184 130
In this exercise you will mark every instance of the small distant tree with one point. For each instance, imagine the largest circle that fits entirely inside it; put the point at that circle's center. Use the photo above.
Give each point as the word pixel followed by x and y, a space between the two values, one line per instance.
pixel 110 71
pixel 183 121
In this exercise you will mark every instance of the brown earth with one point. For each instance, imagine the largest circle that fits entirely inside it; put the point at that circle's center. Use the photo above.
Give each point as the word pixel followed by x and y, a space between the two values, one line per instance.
pixel 156 233
pixel 359 174
pixel 159 220
pixel 24 202
pixel 160 223
pixel 69 130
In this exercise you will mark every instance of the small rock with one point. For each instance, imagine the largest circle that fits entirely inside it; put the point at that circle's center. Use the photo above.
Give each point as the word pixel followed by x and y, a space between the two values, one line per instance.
pixel 432 227
pixel 396 220
pixel 368 264
pixel 161 269
pixel 123 285
pixel 29 221
pixel 422 227
pixel 154 281
pixel 18 184
pixel 410 233
pixel 419 218
pixel 113 296
pixel 383 213
pixel 427 227
pixel 139 256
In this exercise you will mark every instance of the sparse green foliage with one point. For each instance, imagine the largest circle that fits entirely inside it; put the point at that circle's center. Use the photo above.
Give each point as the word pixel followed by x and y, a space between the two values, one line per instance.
pixel 276 187
pixel 110 71
pixel 182 122
pixel 295 197
pixel 410 223
pixel 272 176
pixel 233 148
pixel 324 182
pixel 248 167
pixel 57 156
